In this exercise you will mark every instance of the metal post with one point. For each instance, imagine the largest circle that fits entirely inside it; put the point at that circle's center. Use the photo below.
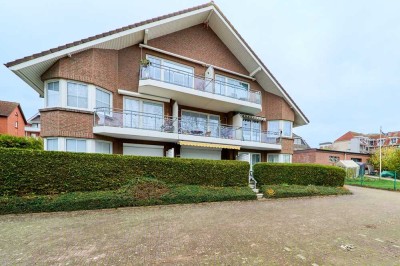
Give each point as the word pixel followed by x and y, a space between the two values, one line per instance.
pixel 395 179
pixel 380 153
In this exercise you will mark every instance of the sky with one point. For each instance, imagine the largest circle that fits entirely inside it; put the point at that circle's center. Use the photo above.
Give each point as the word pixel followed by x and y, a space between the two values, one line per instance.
pixel 338 59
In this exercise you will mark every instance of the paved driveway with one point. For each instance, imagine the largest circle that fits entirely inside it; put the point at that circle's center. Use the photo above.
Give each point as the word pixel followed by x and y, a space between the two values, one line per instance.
pixel 303 231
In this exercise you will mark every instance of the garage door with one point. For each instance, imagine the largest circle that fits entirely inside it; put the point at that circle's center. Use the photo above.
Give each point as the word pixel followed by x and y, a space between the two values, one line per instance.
pixel 143 150
pixel 200 153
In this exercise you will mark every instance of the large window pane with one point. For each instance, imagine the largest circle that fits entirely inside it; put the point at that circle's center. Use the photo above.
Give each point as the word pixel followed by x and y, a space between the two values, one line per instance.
pixel 273 158
pixel 76 145
pixel 103 147
pixel 131 113
pixel 287 129
pixel 103 100
pixel 53 94
pixel 77 95
pixel 251 130
pixel 52 144
pixel 152 115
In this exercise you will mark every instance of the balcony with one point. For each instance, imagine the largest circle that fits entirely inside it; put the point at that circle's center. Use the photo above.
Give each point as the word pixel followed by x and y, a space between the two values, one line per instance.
pixel 197 91
pixel 32 129
pixel 127 124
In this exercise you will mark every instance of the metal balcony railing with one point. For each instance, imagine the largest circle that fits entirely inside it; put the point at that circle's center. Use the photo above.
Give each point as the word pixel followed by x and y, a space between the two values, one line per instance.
pixel 187 126
pixel 200 83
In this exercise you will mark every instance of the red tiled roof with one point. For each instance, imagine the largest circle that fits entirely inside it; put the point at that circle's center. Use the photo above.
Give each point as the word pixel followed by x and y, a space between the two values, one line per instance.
pixel 348 136
pixel 6 108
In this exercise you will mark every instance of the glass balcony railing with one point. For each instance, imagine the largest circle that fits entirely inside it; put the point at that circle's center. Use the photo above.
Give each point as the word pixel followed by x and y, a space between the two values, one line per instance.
pixel 155 122
pixel 200 83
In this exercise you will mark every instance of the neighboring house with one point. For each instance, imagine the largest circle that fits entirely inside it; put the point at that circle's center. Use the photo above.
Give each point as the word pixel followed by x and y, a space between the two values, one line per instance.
pixel 32 129
pixel 181 85
pixel 299 143
pixel 366 143
pixel 327 157
pixel 325 145
pixel 12 119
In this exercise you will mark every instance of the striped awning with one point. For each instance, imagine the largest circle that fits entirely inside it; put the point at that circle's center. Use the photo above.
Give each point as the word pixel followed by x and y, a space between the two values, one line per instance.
pixel 253 117
pixel 208 145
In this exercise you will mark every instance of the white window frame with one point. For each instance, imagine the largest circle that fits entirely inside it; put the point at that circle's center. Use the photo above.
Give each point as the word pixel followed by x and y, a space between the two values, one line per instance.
pixel 208 118
pixel 46 93
pixel 103 141
pixel 77 139
pixel 149 56
pixel 226 78
pixel 280 157
pixel 141 101
pixel 58 143
pixel 393 140
pixel 88 95
pixel 281 123
pixel 105 91
pixel 63 97
pixel 252 131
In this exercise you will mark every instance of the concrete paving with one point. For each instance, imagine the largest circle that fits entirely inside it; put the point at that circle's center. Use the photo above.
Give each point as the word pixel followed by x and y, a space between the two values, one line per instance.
pixel 358 229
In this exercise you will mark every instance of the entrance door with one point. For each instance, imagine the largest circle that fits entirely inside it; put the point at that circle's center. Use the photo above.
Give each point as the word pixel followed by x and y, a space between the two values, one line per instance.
pixel 251 158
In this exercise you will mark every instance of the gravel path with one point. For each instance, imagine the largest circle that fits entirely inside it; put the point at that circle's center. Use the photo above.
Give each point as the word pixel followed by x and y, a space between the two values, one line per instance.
pixel 363 228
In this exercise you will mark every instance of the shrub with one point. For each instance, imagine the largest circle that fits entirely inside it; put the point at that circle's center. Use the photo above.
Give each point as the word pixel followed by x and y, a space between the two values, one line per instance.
pixel 299 174
pixel 285 191
pixel 8 141
pixel 45 172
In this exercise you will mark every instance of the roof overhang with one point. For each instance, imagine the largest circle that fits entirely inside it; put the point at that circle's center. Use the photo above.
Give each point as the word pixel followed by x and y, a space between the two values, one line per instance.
pixel 31 68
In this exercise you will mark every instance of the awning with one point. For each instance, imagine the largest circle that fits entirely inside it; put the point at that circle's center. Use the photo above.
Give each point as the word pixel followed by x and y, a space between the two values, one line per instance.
pixel 253 117
pixel 208 145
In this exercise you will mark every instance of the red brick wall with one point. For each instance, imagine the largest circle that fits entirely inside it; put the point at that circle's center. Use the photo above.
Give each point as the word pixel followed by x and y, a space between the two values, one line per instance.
pixel 322 157
pixel 113 70
pixel 7 124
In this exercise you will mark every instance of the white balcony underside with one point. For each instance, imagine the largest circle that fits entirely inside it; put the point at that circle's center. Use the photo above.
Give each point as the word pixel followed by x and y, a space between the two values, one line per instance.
pixel 32 129
pixel 142 134
pixel 197 98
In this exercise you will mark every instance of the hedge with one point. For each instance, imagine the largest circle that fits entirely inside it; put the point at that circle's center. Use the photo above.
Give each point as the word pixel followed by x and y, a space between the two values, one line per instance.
pixel 298 174
pixel 25 172
pixel 8 141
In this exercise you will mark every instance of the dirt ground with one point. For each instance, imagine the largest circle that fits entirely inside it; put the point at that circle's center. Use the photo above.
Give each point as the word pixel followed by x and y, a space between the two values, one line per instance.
pixel 362 229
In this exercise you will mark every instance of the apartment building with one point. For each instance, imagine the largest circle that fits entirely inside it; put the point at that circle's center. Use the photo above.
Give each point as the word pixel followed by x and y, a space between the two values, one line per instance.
pixel 328 157
pixel 12 119
pixel 32 128
pixel 365 143
pixel 181 85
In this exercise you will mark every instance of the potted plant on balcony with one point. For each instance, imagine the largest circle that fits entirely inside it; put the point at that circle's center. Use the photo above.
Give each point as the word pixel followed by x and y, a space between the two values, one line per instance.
pixel 145 62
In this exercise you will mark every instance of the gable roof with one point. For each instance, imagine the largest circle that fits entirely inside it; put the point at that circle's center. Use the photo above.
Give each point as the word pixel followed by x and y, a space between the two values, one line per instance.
pixel 6 109
pixel 348 136
pixel 30 68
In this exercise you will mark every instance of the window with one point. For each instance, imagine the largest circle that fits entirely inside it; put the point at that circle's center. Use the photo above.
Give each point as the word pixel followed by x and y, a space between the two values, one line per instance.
pixel 381 142
pixel 76 145
pixel 357 160
pixel 297 141
pixel 279 158
pixel 168 71
pixel 393 140
pixel 16 124
pixel 52 144
pixel 103 100
pixel 231 87
pixel 77 95
pixel 251 130
pixel 53 94
pixel 103 147
pixel 196 123
pixel 280 126
pixel 334 159
pixel 143 114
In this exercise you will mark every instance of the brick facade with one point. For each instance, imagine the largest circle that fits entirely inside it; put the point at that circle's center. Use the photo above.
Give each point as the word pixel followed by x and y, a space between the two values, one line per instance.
pixel 113 70
pixel 320 156
pixel 14 124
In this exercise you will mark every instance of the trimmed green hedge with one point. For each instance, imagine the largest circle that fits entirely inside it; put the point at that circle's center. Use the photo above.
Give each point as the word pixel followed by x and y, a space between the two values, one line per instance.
pixel 299 174
pixel 25 172
pixel 8 141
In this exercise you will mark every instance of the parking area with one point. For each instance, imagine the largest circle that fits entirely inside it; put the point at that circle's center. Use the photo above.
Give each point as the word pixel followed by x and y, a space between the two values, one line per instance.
pixel 363 228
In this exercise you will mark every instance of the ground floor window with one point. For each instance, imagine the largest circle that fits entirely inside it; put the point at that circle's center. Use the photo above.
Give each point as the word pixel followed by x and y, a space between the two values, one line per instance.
pixel 52 144
pixel 250 157
pixel 78 145
pixel 103 147
pixel 279 158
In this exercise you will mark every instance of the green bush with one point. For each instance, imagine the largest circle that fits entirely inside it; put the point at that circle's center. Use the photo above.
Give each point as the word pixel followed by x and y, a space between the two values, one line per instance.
pixel 286 191
pixel 8 141
pixel 299 174
pixel 24 172
pixel 126 196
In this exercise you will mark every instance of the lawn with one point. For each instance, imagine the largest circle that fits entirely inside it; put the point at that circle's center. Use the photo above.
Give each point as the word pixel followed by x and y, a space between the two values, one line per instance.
pixel 286 191
pixel 373 183
pixel 139 193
